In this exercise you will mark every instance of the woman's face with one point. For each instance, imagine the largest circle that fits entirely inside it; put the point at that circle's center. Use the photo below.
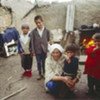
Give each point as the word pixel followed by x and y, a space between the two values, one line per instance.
pixel 56 54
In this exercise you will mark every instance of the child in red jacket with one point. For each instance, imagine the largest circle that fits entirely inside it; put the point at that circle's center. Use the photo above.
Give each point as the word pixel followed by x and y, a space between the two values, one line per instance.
pixel 92 66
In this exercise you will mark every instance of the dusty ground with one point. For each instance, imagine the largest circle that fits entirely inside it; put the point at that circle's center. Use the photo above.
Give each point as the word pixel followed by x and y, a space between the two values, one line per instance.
pixel 11 81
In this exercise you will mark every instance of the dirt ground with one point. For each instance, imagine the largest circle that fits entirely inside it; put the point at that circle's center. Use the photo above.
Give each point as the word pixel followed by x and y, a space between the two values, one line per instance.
pixel 11 81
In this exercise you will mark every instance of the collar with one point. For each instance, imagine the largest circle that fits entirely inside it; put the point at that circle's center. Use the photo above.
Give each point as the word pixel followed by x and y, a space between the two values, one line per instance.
pixel 41 29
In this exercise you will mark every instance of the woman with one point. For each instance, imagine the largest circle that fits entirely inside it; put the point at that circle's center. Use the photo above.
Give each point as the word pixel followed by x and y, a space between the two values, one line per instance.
pixel 54 81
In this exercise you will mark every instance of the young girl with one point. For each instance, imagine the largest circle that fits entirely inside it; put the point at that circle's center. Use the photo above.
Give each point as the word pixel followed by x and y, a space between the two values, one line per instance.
pixel 24 49
pixel 92 66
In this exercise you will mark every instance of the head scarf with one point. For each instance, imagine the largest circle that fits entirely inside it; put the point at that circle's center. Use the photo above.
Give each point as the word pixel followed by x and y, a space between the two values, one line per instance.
pixel 56 46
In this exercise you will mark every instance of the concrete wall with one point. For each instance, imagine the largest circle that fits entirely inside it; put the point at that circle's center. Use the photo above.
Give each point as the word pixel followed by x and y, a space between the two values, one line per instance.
pixel 87 12
pixel 20 9
pixel 54 15
pixel 5 18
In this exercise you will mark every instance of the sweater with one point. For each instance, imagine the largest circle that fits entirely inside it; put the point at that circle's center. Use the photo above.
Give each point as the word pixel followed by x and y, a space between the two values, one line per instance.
pixel 53 68
pixel 24 44
pixel 71 68
pixel 92 64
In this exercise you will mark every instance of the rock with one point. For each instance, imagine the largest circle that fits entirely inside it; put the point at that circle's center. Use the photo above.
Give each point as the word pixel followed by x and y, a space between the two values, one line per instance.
pixel 5 18
pixel 19 7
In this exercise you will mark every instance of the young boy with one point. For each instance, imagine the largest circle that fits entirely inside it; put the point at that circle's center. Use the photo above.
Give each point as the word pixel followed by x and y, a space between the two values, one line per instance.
pixel 71 65
pixel 92 66
pixel 24 49
pixel 40 37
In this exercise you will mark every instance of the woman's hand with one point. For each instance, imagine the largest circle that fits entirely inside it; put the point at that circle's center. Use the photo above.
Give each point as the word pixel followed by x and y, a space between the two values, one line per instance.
pixel 67 80
pixel 71 83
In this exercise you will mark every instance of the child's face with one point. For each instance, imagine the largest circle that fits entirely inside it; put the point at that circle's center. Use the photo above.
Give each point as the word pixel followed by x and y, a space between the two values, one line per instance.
pixel 56 54
pixel 97 42
pixel 39 23
pixel 69 54
pixel 25 30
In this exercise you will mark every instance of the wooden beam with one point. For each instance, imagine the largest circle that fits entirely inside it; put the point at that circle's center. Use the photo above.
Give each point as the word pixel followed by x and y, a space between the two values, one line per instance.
pixel 14 93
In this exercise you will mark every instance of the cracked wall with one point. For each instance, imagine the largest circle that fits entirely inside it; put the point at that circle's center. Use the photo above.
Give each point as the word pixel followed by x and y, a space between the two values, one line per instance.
pixel 5 18
pixel 87 12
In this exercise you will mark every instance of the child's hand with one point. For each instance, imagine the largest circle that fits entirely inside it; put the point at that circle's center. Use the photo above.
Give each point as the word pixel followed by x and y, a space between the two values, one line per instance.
pixel 68 59
pixel 32 54
pixel 21 53
pixel 69 83
pixel 74 81
pixel 96 48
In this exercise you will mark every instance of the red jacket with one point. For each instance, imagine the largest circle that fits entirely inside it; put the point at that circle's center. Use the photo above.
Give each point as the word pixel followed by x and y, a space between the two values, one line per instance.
pixel 92 64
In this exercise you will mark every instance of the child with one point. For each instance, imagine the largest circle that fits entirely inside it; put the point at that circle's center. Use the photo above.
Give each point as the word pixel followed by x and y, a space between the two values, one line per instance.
pixel 92 66
pixel 24 48
pixel 71 65
pixel 40 37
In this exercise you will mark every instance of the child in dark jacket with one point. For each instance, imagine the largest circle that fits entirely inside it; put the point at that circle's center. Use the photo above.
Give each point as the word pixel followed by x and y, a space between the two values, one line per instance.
pixel 71 65
pixel 40 36
pixel 24 49
pixel 92 66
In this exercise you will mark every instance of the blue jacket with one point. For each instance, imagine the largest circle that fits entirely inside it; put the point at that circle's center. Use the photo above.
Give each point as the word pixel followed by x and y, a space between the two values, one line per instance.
pixel 10 34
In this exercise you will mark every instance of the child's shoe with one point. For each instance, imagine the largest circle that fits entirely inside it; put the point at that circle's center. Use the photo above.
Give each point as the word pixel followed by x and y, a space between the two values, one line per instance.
pixel 40 77
pixel 24 74
pixel 29 73
pixel 91 93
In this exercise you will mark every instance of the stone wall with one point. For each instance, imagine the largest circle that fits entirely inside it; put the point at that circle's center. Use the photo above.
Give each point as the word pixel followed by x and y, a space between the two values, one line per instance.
pixel 19 12
pixel 54 15
pixel 5 18
pixel 86 12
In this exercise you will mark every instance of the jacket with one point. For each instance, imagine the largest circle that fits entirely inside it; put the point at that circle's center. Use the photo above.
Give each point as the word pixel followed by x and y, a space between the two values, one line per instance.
pixel 40 43
pixel 53 68
pixel 92 64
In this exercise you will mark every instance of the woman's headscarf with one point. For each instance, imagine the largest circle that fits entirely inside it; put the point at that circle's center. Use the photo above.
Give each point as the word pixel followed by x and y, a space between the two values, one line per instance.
pixel 56 46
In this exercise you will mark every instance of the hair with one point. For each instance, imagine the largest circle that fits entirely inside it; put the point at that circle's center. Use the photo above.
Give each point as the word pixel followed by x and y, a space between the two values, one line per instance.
pixel 96 36
pixel 38 17
pixel 72 47
pixel 25 26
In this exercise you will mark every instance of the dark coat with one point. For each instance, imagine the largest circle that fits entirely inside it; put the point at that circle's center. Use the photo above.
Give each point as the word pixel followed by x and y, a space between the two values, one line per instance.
pixel 40 43
pixel 71 68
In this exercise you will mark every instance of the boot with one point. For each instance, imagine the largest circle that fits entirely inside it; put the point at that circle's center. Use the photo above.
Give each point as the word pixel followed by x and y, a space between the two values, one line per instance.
pixel 24 74
pixel 29 73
